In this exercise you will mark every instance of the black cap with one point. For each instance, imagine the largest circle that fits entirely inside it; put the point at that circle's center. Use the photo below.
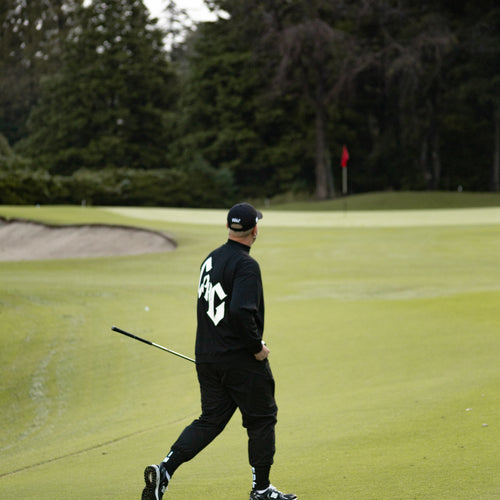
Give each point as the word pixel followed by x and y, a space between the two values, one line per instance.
pixel 242 217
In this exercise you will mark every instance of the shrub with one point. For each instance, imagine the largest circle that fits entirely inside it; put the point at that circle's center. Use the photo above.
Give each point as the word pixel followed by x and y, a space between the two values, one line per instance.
pixel 196 186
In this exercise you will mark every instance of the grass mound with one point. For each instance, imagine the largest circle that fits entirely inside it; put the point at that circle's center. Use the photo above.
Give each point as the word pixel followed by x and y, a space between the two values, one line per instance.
pixel 395 200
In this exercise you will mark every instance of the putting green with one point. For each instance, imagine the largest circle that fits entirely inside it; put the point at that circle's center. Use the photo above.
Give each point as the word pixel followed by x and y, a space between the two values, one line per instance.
pixel 276 218
pixel 384 341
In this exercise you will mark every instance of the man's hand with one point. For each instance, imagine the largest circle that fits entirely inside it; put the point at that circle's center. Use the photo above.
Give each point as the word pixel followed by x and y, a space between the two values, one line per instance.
pixel 263 354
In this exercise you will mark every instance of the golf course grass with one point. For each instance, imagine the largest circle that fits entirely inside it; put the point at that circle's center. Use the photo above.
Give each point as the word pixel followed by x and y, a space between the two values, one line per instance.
pixel 384 330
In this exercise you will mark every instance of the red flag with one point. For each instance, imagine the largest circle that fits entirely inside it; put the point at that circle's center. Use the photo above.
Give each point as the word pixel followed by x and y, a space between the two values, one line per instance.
pixel 345 157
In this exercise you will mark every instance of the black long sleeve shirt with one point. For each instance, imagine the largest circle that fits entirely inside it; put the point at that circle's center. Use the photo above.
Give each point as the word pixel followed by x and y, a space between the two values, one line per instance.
pixel 230 307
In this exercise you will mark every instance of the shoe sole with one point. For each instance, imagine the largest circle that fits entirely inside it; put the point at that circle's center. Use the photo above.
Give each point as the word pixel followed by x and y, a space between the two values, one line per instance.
pixel 287 496
pixel 152 480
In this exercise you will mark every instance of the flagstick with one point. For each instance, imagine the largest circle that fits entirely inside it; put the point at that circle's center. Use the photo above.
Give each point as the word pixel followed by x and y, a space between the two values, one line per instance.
pixel 343 163
pixel 344 180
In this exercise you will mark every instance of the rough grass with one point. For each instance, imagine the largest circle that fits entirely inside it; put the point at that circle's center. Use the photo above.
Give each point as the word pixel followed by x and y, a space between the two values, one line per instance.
pixel 384 345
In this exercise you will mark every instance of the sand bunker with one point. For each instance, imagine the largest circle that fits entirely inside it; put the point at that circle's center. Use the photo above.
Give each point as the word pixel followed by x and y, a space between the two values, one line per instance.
pixel 27 240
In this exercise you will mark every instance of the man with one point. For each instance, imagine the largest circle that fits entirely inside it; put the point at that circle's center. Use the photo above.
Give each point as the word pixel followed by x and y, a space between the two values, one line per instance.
pixel 231 361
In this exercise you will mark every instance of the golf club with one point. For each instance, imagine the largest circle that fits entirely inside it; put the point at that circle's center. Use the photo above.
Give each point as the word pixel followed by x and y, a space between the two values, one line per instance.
pixel 123 332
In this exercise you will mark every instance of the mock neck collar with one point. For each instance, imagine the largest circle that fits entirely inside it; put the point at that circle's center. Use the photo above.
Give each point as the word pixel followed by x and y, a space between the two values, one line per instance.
pixel 237 244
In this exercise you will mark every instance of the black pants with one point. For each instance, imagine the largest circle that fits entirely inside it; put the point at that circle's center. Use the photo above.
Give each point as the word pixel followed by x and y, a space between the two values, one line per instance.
pixel 246 384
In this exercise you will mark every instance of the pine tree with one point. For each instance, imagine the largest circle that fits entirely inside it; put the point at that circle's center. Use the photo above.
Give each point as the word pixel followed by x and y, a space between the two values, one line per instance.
pixel 105 107
pixel 31 35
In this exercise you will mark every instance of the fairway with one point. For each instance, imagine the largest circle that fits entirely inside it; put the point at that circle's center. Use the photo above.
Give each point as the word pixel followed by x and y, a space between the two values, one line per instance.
pixel 384 330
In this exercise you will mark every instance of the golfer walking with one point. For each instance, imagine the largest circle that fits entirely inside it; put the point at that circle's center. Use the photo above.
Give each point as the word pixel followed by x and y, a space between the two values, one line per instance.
pixel 231 361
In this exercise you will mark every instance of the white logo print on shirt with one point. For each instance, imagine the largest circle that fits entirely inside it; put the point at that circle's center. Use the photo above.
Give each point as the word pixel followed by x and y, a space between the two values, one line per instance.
pixel 211 291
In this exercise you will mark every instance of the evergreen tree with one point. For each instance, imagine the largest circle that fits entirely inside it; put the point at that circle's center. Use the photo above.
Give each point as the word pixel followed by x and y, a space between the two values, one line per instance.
pixel 410 48
pixel 229 116
pixel 475 81
pixel 105 107
pixel 31 35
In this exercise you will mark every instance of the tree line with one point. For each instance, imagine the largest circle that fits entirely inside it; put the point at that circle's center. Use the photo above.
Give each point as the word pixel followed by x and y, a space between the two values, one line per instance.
pixel 98 102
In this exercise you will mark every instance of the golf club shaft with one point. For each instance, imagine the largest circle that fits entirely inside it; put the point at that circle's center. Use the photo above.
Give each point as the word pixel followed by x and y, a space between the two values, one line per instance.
pixel 123 332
